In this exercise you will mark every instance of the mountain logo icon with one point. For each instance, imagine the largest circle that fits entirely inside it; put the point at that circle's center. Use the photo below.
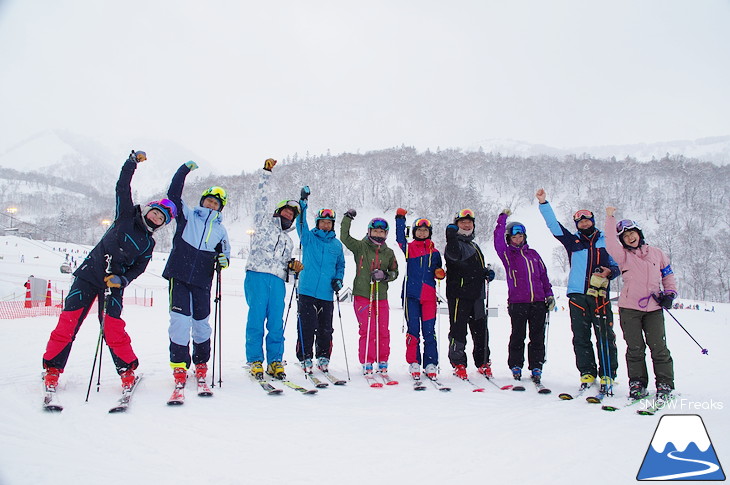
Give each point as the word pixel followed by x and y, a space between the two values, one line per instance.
pixel 681 450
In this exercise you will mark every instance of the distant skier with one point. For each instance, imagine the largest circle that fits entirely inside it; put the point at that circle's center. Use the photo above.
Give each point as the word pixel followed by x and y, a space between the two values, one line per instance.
pixel 466 273
pixel 649 286
pixel 530 295
pixel 267 271
pixel 423 268
pixel 122 255
pixel 376 267
pixel 591 269
pixel 324 268
pixel 200 243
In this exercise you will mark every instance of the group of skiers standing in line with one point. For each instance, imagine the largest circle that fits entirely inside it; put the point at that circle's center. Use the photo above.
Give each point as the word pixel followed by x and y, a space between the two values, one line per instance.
pixel 200 247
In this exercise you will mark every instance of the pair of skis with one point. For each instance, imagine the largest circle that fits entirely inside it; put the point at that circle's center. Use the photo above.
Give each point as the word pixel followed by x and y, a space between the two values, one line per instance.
pixel 52 404
pixel 418 384
pixel 384 377
pixel 178 395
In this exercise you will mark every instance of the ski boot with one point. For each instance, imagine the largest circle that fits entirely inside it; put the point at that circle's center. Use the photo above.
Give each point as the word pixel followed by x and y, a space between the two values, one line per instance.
pixel 180 374
pixel 323 364
pixel 486 370
pixel 367 369
pixel 415 370
pixel 663 391
pixel 201 371
pixel 637 390
pixel 306 366
pixel 276 370
pixel 517 373
pixel 460 372
pixel 257 369
pixel 383 367
pixel 431 371
pixel 127 379
pixel 536 375
pixel 50 378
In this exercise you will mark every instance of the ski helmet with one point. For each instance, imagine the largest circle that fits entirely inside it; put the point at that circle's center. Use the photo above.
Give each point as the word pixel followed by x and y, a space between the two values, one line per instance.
pixel 513 229
pixel 628 225
pixel 325 215
pixel 378 223
pixel 217 193
pixel 464 214
pixel 291 204
pixel 422 223
pixel 583 214
pixel 165 206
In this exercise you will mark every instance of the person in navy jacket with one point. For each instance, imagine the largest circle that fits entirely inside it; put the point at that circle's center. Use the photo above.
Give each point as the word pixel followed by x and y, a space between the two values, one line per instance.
pixel 423 268
pixel 121 256
pixel 324 268
pixel 530 295
pixel 200 243
pixel 589 306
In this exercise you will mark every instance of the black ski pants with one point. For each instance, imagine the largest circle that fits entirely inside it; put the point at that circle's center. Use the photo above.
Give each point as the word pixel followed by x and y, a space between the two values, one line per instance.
pixel 315 327
pixel 466 313
pixel 524 316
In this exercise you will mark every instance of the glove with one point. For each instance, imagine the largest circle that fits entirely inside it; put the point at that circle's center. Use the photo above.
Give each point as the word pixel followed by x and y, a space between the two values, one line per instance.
pixel 451 230
pixel 304 194
pixel 439 274
pixel 665 299
pixel 269 164
pixel 303 203
pixel 507 211
pixel 336 285
pixel 351 213
pixel 400 213
pixel 114 281
pixel 550 303
pixel 191 165
pixel 222 261
pixel 489 274
pixel 137 157
pixel 378 275
pixel 295 265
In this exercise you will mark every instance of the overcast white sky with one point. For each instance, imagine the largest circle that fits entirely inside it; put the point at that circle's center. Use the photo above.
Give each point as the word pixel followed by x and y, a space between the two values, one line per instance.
pixel 237 81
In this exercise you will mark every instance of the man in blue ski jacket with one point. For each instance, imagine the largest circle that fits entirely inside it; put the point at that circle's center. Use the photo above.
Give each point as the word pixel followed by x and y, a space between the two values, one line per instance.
pixel 200 242
pixel 324 263
pixel 591 268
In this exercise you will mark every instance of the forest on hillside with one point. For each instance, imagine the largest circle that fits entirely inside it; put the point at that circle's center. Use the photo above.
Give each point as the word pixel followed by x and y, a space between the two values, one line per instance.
pixel 681 203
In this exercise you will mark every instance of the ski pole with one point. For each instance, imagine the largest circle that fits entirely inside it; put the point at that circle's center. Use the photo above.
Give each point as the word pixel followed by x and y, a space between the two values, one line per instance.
pixel 102 305
pixel 217 326
pixel 547 332
pixel 342 332
pixel 367 327
pixel 704 350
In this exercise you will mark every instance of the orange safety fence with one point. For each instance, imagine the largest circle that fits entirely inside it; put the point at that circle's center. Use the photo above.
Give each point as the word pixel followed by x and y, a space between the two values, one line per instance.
pixel 10 310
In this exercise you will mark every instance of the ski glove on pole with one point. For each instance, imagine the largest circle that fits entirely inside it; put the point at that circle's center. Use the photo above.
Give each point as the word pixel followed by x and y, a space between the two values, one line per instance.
pixel 295 265
pixel 550 303
pixel 114 281
pixel 222 261
pixel 351 213
pixel 336 285
pixel 378 275
pixel 665 299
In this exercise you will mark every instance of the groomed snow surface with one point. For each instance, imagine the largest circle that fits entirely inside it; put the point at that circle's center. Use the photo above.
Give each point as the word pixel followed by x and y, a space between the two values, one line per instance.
pixel 351 434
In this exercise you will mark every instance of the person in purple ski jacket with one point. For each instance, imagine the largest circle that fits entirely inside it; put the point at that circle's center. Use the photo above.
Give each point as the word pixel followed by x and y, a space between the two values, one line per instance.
pixel 530 295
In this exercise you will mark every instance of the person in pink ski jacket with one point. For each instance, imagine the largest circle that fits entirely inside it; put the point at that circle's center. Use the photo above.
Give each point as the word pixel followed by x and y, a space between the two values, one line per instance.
pixel 649 286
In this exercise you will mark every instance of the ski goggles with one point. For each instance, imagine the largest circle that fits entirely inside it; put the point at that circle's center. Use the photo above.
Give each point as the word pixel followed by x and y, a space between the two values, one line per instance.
pixel 167 207
pixel 465 214
pixel 422 223
pixel 378 223
pixel 326 214
pixel 290 204
pixel 626 225
pixel 517 229
pixel 217 192
pixel 582 214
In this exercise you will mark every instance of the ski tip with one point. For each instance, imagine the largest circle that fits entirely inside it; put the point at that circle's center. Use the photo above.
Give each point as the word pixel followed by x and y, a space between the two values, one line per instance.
pixel 376 385
pixel 392 383
pixel 565 396
pixel 174 403
pixel 117 410
pixel 518 388
pixel 544 391
pixel 609 408
pixel 275 392
pixel 481 389
pixel 53 409
pixel 507 387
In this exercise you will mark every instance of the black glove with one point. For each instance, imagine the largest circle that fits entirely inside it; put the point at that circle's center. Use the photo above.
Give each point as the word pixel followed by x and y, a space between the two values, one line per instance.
pixel 378 275
pixel 336 285
pixel 351 213
pixel 304 194
pixel 489 274
pixel 550 303
pixel 664 299
pixel 452 230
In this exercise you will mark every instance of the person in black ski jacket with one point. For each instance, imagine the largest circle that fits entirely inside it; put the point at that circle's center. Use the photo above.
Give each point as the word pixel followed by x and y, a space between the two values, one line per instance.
pixel 122 255
pixel 466 272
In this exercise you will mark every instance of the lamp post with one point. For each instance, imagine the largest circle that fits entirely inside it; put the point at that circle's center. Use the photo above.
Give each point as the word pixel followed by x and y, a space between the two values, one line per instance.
pixel 11 211
pixel 250 233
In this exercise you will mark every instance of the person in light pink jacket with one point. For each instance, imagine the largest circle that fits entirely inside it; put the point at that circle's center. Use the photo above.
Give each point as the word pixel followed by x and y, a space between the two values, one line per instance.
pixel 649 286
